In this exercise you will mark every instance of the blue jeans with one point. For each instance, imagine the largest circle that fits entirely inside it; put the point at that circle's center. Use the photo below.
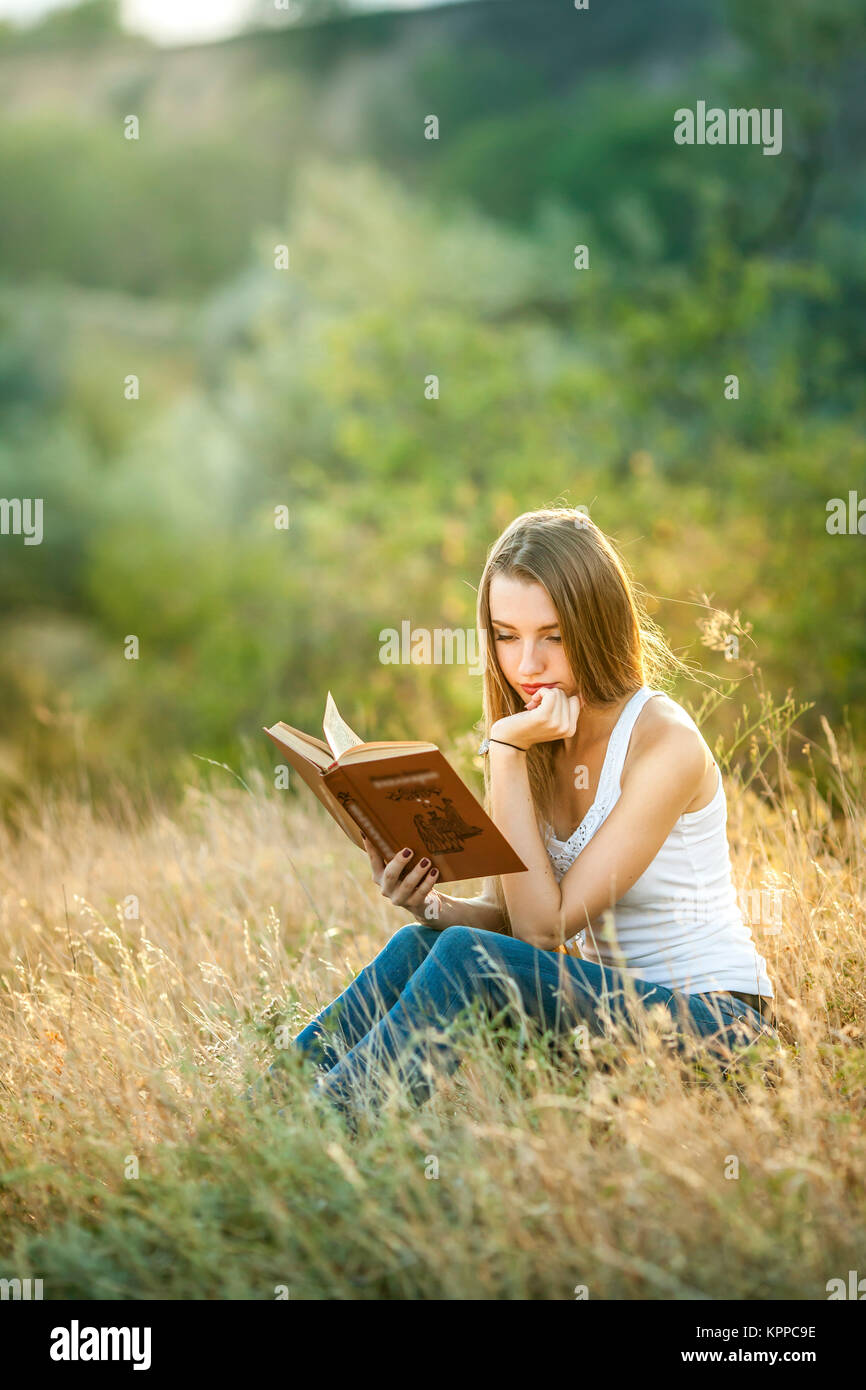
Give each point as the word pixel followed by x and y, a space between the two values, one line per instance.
pixel 399 1008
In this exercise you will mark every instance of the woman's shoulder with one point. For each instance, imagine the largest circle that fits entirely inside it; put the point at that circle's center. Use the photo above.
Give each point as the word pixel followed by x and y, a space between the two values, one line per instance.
pixel 661 711
pixel 665 728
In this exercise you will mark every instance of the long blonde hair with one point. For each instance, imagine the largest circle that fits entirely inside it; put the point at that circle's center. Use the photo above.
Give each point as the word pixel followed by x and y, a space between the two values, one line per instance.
pixel 611 645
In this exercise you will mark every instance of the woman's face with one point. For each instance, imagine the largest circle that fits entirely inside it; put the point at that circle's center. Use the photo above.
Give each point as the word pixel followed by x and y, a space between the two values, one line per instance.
pixel 527 637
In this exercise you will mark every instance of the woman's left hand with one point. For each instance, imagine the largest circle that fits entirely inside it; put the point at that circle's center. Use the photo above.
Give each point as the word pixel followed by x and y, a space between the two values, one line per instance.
pixel 549 714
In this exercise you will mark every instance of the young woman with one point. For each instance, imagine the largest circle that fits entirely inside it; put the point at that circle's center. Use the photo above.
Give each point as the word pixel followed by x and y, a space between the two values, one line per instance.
pixel 607 791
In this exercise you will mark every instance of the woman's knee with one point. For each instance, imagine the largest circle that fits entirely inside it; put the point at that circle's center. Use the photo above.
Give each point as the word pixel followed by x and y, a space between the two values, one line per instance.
pixel 456 941
pixel 414 941
pixel 459 951
pixel 416 931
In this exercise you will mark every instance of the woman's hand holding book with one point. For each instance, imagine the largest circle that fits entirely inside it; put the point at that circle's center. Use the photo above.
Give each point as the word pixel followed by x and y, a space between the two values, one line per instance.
pixel 408 887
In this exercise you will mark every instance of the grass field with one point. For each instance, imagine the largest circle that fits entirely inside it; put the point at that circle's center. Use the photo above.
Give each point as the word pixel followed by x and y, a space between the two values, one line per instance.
pixel 132 1169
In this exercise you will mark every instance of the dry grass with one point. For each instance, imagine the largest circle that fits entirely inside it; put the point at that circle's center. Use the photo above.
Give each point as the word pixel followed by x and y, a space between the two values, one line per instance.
pixel 127 1038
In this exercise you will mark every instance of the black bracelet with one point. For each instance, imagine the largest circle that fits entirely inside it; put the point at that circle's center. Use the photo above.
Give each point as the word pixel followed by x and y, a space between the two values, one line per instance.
pixel 487 742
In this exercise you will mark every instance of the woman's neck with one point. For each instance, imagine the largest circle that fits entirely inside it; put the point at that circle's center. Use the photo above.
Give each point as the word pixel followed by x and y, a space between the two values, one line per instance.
pixel 595 722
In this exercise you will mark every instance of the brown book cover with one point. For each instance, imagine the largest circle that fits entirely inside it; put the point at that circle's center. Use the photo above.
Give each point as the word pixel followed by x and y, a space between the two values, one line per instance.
pixel 400 794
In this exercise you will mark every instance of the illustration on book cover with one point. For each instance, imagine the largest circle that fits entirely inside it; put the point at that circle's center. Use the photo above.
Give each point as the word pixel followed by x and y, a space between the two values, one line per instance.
pixel 441 829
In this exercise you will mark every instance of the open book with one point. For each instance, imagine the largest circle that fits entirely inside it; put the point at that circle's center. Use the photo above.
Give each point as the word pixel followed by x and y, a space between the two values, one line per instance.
pixel 399 794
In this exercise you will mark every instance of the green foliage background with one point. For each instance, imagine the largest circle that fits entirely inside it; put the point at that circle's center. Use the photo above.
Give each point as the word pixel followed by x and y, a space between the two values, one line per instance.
pixel 305 387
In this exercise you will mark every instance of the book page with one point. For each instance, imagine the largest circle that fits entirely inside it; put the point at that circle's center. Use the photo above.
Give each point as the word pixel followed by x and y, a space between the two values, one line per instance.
pixel 337 732
pixel 313 749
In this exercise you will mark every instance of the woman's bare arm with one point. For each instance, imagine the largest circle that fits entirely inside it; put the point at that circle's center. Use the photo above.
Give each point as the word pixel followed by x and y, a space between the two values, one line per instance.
pixel 655 793
pixel 533 898
pixel 482 911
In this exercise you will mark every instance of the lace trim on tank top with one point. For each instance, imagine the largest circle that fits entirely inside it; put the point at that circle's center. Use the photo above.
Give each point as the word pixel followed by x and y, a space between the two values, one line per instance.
pixel 566 853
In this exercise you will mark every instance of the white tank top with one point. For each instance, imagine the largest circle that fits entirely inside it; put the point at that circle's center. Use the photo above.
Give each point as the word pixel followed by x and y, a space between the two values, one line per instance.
pixel 679 925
